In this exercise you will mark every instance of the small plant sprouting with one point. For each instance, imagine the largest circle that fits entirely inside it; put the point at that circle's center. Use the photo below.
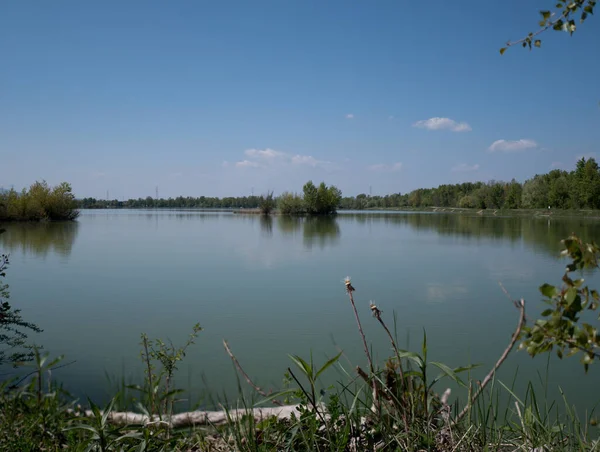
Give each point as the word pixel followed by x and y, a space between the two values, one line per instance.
pixel 158 390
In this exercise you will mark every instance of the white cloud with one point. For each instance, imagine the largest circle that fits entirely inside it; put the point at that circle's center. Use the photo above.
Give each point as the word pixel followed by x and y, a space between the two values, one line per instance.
pixel 443 124
pixel 264 158
pixel 306 160
pixel 512 146
pixel 247 164
pixel 349 116
pixel 263 154
pixel 385 167
pixel 462 167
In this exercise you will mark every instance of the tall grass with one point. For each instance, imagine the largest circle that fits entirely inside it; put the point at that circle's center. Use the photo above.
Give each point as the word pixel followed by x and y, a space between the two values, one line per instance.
pixel 39 203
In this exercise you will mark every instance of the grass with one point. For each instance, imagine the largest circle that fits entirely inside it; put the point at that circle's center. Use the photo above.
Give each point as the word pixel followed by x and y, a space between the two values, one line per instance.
pixel 397 406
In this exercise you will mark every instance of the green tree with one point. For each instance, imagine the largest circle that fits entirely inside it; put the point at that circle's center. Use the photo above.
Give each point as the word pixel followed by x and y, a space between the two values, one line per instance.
pixel 513 195
pixel 322 200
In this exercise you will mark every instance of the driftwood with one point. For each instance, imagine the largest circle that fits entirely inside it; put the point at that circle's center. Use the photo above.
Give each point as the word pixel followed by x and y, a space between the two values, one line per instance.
pixel 195 418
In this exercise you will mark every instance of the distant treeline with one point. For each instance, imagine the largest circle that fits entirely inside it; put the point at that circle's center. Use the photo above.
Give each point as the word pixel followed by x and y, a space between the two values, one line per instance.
pixel 39 203
pixel 578 189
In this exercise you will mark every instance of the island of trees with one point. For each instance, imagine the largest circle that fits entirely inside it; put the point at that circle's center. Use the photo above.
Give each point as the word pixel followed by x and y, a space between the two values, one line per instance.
pixel 39 203
pixel 577 189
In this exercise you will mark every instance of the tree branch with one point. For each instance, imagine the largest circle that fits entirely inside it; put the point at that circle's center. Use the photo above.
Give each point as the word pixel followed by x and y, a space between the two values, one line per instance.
pixel 245 375
pixel 521 307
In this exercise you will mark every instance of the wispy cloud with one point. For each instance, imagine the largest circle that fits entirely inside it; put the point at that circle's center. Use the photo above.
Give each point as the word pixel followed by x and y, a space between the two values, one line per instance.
pixel 349 116
pixel 443 124
pixel 307 160
pixel 384 167
pixel 264 153
pixel 247 164
pixel 464 167
pixel 512 146
pixel 261 158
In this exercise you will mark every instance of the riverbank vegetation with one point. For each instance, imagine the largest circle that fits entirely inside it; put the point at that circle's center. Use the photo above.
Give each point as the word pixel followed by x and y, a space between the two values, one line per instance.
pixel 558 189
pixel 39 202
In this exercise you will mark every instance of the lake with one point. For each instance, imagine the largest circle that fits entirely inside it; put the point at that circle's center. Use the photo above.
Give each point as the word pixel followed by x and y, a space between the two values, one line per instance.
pixel 274 286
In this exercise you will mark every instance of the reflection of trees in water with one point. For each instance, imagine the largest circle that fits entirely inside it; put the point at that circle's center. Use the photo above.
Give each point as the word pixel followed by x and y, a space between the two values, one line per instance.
pixel 321 231
pixel 266 225
pixel 541 232
pixel 40 238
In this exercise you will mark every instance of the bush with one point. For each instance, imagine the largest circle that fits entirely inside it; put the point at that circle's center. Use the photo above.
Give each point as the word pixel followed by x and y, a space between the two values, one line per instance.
pixel 266 203
pixel 291 204
pixel 39 203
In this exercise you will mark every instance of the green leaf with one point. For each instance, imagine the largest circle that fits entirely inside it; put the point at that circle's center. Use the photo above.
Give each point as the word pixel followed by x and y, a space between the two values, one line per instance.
pixel 107 411
pixel 276 395
pixel 328 364
pixel 412 356
pixel 538 43
pixel 571 295
pixel 447 372
pixel 548 290
pixel 546 14
pixel 502 50
pixel 302 365
pixel 547 312
pixel 424 346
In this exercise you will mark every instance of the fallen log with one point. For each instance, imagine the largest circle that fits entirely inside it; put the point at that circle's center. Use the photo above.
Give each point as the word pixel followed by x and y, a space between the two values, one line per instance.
pixel 194 418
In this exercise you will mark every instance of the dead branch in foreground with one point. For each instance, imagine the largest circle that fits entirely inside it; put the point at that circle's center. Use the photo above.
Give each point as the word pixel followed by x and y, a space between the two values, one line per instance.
pixel 521 307
pixel 245 375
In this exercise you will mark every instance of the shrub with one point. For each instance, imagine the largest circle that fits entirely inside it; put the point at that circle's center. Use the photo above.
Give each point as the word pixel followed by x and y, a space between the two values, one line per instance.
pixel 39 203
pixel 291 204
pixel 267 203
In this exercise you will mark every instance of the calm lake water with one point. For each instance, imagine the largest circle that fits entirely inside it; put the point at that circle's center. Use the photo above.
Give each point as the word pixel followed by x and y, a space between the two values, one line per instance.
pixel 273 286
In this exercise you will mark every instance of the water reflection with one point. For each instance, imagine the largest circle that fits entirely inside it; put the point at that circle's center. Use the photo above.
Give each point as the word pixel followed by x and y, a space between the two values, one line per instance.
pixel 40 238
pixel 266 225
pixel 540 233
pixel 320 231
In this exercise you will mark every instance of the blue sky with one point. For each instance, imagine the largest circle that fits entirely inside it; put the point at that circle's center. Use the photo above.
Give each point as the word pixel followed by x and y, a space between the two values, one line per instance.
pixel 220 98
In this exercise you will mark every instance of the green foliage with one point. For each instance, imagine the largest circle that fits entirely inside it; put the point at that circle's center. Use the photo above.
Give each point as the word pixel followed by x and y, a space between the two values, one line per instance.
pixel 321 200
pixel 39 203
pixel 158 393
pixel 291 204
pixel 13 329
pixel 267 203
pixel 578 189
pixel 570 324
pixel 564 19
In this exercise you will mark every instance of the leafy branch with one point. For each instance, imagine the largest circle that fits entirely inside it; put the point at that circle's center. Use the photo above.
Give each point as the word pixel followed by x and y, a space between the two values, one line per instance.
pixel 563 19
